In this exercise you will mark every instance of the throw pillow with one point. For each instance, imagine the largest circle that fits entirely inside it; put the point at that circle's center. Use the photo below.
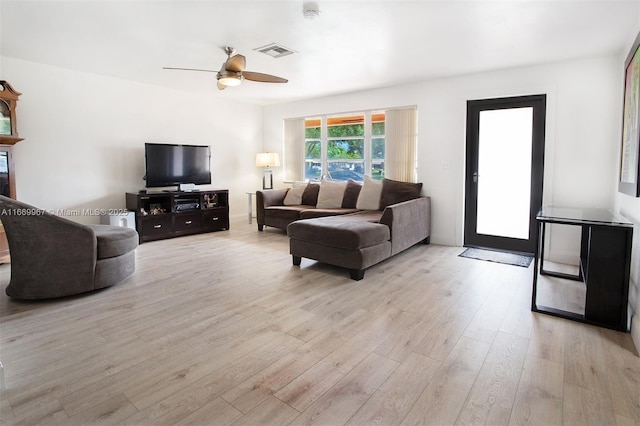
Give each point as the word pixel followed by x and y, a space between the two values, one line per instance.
pixel 294 195
pixel 369 198
pixel 394 192
pixel 351 193
pixel 331 194
pixel 310 194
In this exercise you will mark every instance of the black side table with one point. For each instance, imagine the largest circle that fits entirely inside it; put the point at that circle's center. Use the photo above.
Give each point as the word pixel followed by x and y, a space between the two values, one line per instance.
pixel 605 264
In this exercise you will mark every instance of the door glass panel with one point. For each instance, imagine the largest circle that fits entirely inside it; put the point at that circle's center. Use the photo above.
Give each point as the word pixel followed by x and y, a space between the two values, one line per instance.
pixel 4 174
pixel 504 172
pixel 5 119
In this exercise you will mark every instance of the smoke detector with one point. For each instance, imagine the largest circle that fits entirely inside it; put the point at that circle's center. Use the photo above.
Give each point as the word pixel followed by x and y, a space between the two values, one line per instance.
pixel 310 10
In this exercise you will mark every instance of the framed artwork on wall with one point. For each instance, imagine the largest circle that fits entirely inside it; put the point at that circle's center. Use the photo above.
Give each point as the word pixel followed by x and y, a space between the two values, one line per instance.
pixel 630 153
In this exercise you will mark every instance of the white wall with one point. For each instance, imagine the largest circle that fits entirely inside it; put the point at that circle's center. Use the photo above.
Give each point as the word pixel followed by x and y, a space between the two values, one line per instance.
pixel 629 207
pixel 582 121
pixel 85 134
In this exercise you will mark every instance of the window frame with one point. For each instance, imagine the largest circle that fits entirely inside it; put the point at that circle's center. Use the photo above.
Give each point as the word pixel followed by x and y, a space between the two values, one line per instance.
pixel 367 137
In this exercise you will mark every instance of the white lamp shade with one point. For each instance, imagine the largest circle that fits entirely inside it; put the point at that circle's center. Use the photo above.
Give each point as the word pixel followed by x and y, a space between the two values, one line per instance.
pixel 267 159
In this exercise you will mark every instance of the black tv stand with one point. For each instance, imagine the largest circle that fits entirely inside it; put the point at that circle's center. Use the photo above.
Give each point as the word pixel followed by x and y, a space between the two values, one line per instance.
pixel 169 214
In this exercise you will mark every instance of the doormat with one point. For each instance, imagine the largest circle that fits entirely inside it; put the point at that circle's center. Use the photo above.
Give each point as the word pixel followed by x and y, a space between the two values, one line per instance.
pixel 497 256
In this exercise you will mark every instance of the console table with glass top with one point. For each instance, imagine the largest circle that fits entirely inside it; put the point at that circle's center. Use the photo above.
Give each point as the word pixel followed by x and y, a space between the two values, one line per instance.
pixel 605 264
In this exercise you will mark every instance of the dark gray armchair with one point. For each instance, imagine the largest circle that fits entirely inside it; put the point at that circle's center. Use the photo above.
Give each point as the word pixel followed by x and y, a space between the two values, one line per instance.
pixel 54 257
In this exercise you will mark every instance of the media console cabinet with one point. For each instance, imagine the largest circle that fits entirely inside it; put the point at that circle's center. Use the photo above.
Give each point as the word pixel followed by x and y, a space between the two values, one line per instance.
pixel 161 215
pixel 605 261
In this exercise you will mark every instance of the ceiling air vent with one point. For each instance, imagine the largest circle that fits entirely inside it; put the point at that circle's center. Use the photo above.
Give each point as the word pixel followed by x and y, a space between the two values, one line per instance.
pixel 275 50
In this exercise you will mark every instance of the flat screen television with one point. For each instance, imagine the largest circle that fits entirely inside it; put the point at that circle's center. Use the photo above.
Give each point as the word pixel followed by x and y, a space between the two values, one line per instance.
pixel 171 164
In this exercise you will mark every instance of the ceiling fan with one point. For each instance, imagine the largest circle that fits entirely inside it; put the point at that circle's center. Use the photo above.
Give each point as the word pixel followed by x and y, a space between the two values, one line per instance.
pixel 232 71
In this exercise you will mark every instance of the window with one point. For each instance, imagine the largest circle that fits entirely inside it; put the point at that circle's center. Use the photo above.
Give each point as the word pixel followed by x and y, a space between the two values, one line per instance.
pixel 312 150
pixel 345 147
pixel 377 146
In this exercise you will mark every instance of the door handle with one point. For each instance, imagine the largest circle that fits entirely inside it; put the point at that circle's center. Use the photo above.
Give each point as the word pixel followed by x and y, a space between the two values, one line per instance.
pixel 475 177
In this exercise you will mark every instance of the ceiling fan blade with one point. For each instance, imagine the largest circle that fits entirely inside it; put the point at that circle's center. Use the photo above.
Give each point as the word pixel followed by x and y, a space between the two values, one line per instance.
pixel 187 69
pixel 221 86
pixel 236 63
pixel 263 78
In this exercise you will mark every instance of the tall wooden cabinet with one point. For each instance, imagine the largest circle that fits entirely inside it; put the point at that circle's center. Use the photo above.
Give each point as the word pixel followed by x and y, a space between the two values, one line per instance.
pixel 8 138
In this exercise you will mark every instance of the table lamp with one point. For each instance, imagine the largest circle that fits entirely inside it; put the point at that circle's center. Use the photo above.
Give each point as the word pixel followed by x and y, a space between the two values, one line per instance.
pixel 267 160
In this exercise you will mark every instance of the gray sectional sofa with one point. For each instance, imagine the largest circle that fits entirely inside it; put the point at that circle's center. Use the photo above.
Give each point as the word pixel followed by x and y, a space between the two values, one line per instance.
pixel 348 236
pixel 271 209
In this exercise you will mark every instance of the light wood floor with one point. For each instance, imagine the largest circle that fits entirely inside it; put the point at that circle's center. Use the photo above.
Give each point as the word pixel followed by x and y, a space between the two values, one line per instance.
pixel 221 329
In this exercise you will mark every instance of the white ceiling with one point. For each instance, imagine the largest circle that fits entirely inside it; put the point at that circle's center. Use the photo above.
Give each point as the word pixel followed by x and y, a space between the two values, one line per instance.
pixel 352 46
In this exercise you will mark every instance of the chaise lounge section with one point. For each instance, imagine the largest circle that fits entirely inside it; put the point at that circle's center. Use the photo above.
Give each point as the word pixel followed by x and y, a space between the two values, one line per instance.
pixel 359 240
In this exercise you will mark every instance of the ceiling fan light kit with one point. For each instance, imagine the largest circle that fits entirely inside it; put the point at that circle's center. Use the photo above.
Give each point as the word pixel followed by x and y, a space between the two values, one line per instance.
pixel 229 78
pixel 232 72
